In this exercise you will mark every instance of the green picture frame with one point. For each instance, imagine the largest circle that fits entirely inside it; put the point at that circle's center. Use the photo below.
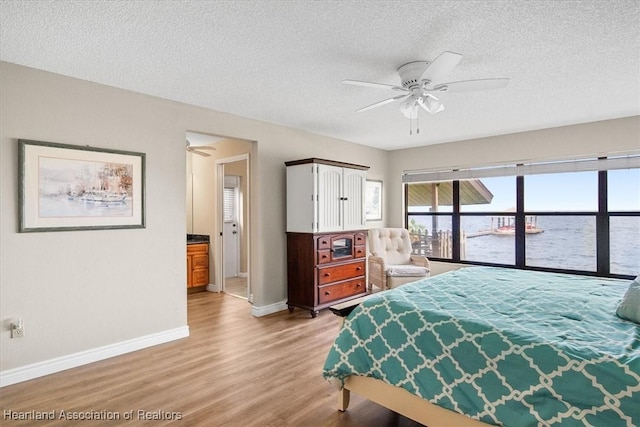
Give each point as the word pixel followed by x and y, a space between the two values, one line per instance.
pixel 65 187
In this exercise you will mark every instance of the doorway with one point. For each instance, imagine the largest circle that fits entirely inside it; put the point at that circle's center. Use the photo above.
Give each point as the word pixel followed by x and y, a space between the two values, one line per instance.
pixel 234 283
pixel 233 187
pixel 206 169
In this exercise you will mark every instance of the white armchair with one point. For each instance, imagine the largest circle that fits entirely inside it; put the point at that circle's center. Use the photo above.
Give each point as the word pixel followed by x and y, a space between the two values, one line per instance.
pixel 391 262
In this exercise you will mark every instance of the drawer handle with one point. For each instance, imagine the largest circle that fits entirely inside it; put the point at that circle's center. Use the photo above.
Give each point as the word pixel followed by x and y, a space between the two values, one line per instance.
pixel 327 293
pixel 358 268
pixel 324 242
pixel 327 274
pixel 324 256
pixel 359 285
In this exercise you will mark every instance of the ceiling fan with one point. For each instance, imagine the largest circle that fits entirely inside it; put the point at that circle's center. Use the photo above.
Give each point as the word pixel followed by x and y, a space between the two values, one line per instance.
pixel 421 79
pixel 197 149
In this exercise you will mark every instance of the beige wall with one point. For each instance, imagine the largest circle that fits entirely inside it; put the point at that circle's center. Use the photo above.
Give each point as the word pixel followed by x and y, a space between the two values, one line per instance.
pixel 63 284
pixel 587 140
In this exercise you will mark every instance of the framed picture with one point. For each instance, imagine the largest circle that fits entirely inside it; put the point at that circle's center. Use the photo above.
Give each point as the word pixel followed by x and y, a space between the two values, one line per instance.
pixel 373 200
pixel 68 187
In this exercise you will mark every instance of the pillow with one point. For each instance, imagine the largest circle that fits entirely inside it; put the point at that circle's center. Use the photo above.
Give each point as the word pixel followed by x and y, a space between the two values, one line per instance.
pixel 629 307
pixel 404 270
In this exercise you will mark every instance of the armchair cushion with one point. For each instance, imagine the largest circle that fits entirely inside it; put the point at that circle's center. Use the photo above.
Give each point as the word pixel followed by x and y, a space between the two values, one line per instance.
pixel 391 244
pixel 406 270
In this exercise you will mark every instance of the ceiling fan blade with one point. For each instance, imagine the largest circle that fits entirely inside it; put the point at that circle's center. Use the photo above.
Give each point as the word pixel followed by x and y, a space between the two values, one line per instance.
pixel 470 85
pixel 441 66
pixel 374 85
pixel 200 153
pixel 203 147
pixel 381 103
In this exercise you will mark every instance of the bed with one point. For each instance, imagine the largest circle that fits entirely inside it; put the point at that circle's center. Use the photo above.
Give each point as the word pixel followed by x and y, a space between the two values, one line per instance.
pixel 494 346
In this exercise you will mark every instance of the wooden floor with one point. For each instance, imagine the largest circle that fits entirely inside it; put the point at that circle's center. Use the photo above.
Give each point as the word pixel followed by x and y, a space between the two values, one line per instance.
pixel 233 370
pixel 236 286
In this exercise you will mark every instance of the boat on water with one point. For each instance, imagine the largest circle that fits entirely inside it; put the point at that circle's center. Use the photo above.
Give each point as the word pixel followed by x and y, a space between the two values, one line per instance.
pixel 506 226
pixel 99 197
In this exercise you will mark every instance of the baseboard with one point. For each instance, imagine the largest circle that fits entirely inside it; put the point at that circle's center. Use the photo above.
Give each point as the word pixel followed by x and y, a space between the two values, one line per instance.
pixel 241 274
pixel 268 309
pixel 213 288
pixel 40 369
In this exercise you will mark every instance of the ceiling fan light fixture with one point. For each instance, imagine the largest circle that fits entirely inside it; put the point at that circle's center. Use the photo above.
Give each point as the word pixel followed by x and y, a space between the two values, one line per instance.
pixel 409 107
pixel 430 103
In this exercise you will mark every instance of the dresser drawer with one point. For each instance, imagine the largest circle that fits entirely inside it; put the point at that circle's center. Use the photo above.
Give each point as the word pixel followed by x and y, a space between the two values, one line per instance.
pixel 200 261
pixel 359 252
pixel 200 277
pixel 323 256
pixel 360 239
pixel 324 242
pixel 340 272
pixel 341 290
pixel 198 248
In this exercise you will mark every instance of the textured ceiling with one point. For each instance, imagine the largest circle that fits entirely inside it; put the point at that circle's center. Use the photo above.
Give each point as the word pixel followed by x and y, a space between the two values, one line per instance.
pixel 283 61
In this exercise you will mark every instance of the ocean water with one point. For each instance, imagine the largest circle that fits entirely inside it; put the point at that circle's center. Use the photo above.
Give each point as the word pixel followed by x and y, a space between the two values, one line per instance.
pixel 567 242
pixel 63 207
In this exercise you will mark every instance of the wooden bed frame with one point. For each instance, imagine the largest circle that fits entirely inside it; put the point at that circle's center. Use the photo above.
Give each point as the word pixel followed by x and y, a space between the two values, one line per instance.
pixel 394 398
pixel 404 403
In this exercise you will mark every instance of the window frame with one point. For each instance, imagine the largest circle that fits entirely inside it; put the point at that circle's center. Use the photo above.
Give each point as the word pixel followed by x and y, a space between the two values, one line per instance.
pixel 602 217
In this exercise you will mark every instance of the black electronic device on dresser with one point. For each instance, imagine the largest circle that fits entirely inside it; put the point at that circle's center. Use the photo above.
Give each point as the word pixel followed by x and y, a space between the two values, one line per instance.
pixel 326 241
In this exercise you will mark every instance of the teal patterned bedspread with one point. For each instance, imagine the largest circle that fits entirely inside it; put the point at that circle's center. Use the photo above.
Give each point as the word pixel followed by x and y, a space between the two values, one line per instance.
pixel 504 346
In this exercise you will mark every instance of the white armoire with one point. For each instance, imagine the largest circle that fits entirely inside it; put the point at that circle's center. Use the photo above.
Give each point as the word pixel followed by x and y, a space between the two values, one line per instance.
pixel 326 246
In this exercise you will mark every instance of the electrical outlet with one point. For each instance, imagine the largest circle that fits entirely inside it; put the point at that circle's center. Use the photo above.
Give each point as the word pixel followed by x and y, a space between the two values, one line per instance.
pixel 17 329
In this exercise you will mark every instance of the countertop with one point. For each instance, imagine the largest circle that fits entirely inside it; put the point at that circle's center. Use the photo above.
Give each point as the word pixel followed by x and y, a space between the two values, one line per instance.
pixel 197 238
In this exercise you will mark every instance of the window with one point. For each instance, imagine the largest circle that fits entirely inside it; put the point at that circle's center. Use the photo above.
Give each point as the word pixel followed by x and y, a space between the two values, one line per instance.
pixel 624 190
pixel 624 241
pixel 565 242
pixel 487 235
pixel 562 241
pixel 482 241
pixel 545 218
pixel 230 204
pixel 561 192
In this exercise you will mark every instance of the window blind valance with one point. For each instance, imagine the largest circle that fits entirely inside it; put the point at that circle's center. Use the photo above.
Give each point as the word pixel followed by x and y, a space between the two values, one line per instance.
pixel 628 162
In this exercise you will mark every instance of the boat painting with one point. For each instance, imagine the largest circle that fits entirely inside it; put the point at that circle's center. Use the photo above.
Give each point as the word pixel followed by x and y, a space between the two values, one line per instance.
pixel 81 188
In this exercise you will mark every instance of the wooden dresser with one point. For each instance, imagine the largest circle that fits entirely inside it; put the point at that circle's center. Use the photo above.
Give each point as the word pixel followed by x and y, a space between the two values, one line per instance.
pixel 197 264
pixel 325 268
pixel 325 238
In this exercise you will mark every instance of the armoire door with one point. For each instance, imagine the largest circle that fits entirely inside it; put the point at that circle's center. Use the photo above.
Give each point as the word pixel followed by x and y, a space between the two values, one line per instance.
pixel 330 198
pixel 353 194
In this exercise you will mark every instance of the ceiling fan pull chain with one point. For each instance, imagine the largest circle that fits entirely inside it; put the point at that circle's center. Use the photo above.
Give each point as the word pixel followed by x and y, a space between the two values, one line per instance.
pixel 418 123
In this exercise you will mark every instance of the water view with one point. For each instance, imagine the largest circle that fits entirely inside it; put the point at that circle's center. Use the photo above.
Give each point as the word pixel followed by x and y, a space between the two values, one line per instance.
pixel 566 242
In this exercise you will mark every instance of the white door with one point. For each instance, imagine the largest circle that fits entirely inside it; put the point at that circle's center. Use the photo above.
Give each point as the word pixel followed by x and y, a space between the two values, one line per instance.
pixel 231 230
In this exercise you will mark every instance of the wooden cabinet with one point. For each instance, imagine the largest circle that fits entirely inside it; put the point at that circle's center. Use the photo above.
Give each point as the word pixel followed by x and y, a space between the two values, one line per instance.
pixel 325 196
pixel 324 269
pixel 197 264
pixel 325 238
